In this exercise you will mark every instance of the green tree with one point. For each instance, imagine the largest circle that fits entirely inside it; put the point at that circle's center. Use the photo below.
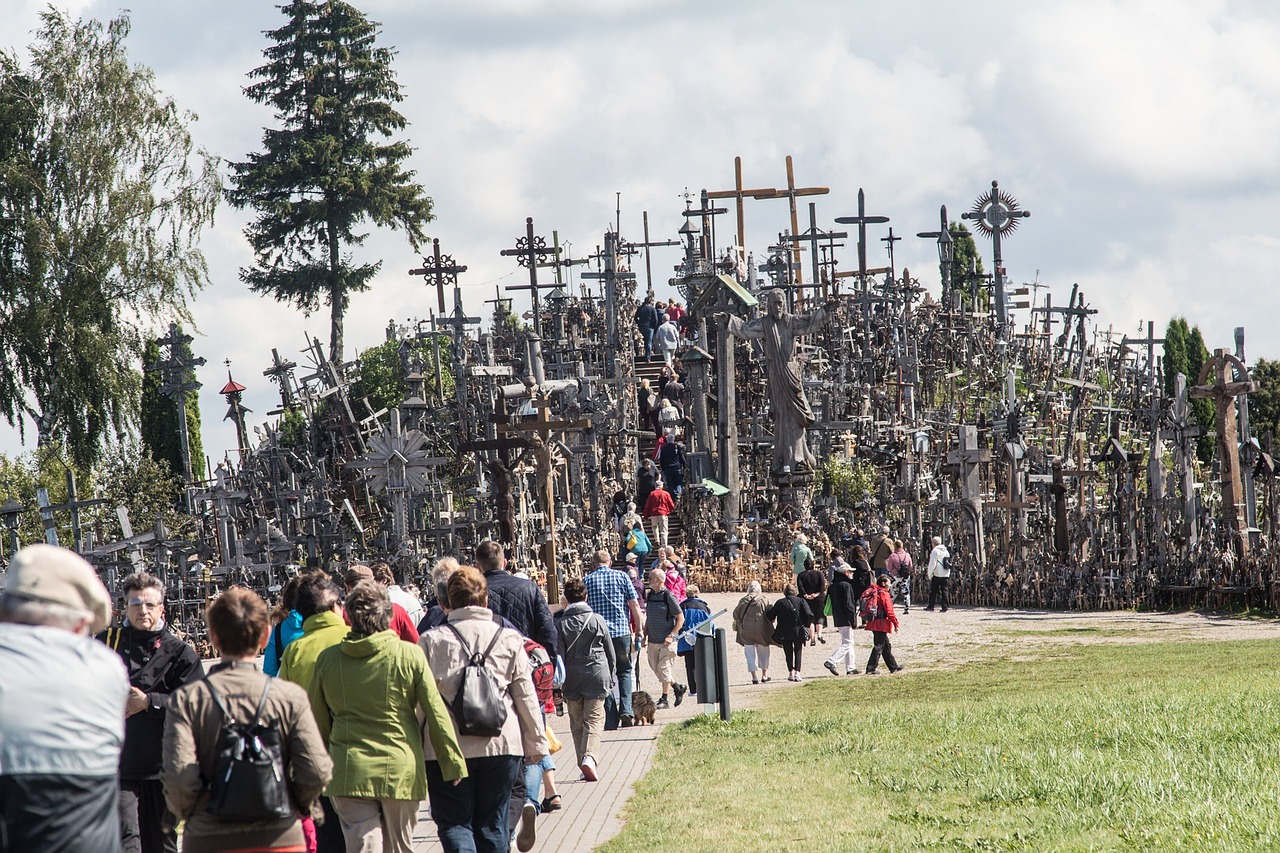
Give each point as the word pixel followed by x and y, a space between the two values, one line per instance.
pixel 967 273
pixel 102 200
pixel 158 420
pixel 1186 353
pixel 1264 404
pixel 329 167
pixel 381 370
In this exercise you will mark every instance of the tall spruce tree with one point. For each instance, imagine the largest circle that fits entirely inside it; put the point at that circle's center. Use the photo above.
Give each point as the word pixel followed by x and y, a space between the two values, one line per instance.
pixel 330 166
pixel 102 200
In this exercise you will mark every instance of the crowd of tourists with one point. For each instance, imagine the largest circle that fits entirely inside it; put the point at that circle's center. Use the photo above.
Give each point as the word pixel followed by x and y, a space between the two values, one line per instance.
pixel 325 724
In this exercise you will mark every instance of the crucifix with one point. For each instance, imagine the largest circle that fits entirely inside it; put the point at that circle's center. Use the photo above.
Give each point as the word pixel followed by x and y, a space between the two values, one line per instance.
pixel 281 373
pixel 530 251
pixel 1223 391
pixel 458 321
pixel 541 428
pixel 996 214
pixel 739 194
pixel 439 270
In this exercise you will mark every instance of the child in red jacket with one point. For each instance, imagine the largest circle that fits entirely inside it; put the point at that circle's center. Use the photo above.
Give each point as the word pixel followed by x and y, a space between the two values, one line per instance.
pixel 876 609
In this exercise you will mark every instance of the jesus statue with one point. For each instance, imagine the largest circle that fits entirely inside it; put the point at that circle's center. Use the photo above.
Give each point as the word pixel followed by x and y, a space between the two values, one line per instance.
pixel 777 331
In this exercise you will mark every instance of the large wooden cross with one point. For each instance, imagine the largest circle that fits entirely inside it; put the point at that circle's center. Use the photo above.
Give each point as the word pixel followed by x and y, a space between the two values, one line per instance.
pixel 740 194
pixel 791 193
pixel 1223 390
pixel 968 458
pixel 542 426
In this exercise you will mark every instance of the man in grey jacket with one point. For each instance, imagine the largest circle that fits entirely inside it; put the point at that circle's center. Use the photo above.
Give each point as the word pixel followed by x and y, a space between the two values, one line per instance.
pixel 62 706
pixel 584 644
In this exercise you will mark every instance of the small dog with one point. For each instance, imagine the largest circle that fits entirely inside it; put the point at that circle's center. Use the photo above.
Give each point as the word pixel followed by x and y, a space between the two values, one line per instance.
pixel 643 708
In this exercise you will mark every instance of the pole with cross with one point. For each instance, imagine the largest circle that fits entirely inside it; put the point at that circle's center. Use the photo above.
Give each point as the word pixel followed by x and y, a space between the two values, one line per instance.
pixel 530 251
pixel 439 270
pixel 1217 383
pixel 996 214
pixel 862 220
pixel 813 237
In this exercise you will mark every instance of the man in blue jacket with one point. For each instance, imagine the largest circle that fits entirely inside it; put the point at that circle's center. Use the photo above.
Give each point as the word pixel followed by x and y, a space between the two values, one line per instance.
pixel 647 322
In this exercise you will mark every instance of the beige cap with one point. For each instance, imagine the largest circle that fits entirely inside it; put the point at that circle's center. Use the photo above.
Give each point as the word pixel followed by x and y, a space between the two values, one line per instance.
pixel 56 575
pixel 357 573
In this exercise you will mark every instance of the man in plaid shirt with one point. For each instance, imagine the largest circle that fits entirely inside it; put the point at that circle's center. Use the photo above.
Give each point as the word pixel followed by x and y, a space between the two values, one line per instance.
pixel 611 594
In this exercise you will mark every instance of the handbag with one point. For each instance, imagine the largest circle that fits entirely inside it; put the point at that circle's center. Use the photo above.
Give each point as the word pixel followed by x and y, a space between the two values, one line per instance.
pixel 553 743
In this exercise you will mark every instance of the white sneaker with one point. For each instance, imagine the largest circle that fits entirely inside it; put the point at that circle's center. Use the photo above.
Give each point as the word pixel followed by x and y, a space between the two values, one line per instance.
pixel 588 768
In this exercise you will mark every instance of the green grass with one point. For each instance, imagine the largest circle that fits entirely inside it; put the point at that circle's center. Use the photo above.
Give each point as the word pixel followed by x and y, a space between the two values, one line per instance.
pixel 1154 746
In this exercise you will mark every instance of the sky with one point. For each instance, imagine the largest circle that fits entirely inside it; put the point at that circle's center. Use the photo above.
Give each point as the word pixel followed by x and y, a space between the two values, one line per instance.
pixel 1141 136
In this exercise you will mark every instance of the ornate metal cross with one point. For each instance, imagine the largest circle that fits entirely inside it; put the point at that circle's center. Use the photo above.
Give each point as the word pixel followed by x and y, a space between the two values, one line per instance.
pixel 439 270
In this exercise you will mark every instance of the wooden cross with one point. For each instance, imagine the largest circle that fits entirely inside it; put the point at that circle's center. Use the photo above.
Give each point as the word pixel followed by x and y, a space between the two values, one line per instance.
pixel 439 270
pixel 791 193
pixel 632 248
pixel 968 458
pixel 12 512
pixel 542 426
pixel 739 194
pixel 529 252
pixel 73 503
pixel 1223 391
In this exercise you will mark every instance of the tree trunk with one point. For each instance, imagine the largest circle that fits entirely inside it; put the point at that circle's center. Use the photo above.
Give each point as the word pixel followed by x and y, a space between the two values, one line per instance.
pixel 336 302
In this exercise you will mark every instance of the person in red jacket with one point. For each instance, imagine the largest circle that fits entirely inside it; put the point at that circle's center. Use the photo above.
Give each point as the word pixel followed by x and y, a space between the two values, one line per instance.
pixel 877 603
pixel 400 621
pixel 658 506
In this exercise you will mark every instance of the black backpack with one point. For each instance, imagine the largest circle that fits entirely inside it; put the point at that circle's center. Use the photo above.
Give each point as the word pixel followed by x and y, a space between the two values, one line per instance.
pixel 249 781
pixel 479 708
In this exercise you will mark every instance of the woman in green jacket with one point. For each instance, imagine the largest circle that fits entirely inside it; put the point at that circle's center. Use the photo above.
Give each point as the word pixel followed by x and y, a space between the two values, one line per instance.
pixel 365 696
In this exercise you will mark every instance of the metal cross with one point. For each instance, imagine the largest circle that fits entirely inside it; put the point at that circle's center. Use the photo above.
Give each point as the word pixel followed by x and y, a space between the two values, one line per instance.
pixel 530 251
pixel 862 220
pixel 439 270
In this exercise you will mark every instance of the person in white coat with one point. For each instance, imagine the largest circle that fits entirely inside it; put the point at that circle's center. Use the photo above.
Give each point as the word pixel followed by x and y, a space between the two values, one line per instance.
pixel 939 574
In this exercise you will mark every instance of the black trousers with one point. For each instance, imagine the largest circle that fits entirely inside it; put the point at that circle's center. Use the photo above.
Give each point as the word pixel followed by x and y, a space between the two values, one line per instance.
pixel 881 646
pixel 329 838
pixel 791 650
pixel 690 671
pixel 145 823
pixel 938 590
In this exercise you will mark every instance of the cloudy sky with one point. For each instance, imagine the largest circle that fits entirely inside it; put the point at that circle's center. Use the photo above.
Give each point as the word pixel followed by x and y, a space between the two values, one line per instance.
pixel 1142 136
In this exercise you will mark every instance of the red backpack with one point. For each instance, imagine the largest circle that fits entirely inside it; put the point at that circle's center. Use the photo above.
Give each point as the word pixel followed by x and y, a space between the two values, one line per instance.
pixel 542 669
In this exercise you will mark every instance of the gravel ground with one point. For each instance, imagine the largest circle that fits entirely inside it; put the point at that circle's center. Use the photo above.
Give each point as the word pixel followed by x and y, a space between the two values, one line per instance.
pixel 931 641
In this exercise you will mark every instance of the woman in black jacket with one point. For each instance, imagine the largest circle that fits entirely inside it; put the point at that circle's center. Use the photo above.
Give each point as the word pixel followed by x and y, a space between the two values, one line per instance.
pixel 791 617
pixel 812 587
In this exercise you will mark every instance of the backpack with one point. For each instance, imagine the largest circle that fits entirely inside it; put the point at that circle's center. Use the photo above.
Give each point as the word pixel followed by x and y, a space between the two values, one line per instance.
pixel 870 608
pixel 542 669
pixel 249 780
pixel 479 708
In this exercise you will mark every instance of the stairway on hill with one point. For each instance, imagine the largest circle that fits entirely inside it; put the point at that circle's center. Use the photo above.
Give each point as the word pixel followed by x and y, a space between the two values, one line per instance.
pixel 652 370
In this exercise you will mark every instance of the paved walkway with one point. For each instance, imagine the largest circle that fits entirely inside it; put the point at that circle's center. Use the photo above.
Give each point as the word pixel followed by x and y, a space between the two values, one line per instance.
pixel 591 813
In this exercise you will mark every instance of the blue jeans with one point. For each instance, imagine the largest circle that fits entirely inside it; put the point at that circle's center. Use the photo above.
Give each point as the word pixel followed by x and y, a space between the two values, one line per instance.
pixel 533 780
pixel 626 674
pixel 647 334
pixel 471 817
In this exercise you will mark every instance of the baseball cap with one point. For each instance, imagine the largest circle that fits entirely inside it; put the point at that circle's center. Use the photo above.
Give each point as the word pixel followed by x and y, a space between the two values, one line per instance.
pixel 58 576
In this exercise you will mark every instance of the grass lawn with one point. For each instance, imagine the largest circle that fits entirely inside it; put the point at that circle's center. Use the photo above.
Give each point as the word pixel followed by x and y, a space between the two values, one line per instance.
pixel 1140 747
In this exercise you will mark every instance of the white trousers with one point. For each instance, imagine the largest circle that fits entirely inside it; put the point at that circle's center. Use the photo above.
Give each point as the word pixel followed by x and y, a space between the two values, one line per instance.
pixel 844 651
pixel 756 653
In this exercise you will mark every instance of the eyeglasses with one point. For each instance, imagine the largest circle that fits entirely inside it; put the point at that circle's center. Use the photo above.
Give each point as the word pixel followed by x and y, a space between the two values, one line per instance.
pixel 142 602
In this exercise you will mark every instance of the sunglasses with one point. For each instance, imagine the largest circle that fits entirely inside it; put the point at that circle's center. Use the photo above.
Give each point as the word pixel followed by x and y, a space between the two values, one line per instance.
pixel 142 602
